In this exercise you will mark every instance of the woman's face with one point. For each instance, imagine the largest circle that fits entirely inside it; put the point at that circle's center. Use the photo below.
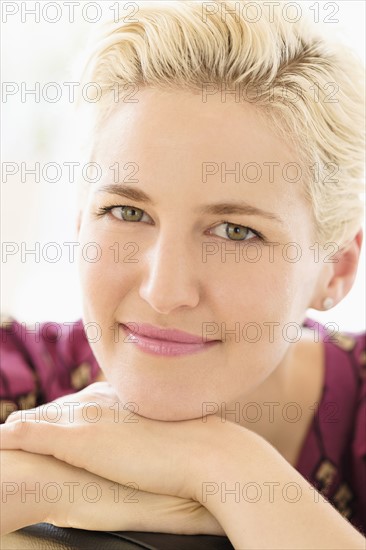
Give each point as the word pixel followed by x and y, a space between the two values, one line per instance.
pixel 173 263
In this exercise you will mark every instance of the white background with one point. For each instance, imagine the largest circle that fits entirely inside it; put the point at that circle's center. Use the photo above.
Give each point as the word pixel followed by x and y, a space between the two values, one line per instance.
pixel 45 132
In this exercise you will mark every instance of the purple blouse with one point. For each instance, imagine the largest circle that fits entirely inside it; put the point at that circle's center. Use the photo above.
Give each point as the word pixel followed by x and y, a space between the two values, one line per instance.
pixel 42 362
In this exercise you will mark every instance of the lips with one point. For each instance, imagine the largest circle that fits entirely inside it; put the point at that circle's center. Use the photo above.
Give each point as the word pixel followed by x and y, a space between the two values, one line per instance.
pixel 164 342
pixel 164 334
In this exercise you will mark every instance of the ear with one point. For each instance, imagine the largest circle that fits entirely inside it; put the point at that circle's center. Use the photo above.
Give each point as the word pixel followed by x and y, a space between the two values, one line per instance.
pixel 337 277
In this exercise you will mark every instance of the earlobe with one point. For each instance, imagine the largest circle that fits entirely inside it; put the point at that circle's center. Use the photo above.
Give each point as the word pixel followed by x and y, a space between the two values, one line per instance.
pixel 341 273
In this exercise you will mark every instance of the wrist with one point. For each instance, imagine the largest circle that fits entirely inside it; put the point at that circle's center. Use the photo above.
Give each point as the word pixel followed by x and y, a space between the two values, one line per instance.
pixel 209 451
pixel 223 448
pixel 22 502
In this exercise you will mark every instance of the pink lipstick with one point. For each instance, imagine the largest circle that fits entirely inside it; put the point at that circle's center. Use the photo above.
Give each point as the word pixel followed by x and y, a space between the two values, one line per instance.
pixel 166 342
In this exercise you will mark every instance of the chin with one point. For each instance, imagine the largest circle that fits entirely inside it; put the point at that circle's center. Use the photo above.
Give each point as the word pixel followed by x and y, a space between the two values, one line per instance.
pixel 168 416
pixel 168 410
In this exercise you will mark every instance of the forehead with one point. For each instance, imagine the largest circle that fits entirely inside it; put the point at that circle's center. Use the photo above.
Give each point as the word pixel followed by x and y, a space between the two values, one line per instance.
pixel 182 120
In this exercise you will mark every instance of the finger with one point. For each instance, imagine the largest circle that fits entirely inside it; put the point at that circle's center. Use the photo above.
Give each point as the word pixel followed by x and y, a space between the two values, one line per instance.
pixel 36 437
pixel 50 412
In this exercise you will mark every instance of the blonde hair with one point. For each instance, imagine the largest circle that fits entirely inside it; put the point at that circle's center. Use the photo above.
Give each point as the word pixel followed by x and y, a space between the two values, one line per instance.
pixel 309 87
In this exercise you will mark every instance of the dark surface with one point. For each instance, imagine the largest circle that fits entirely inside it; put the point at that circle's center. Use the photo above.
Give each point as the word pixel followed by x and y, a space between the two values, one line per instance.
pixel 44 536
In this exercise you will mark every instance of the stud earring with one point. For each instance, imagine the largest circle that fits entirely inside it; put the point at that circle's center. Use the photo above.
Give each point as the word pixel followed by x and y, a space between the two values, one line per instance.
pixel 328 302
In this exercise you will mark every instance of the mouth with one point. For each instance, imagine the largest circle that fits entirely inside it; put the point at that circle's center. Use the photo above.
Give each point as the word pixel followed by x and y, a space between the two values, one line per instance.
pixel 164 342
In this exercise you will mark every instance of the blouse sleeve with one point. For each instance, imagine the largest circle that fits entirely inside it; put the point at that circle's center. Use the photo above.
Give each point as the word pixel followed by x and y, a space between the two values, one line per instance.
pixel 41 362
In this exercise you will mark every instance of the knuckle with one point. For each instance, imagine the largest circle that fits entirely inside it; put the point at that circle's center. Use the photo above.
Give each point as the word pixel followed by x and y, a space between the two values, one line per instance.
pixel 20 428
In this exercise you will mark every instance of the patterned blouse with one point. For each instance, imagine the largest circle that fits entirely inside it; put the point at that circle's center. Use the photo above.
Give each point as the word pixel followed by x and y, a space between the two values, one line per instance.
pixel 42 362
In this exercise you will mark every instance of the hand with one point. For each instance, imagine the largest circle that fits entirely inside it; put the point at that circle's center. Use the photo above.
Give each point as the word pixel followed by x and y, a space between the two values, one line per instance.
pixel 38 488
pixel 93 431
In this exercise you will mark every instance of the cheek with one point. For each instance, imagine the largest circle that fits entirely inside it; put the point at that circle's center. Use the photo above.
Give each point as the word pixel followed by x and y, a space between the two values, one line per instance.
pixel 260 315
pixel 106 270
pixel 258 291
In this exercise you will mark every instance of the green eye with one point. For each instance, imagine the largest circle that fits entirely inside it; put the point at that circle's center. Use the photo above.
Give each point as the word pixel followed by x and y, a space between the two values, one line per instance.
pixel 131 214
pixel 234 232
pixel 237 232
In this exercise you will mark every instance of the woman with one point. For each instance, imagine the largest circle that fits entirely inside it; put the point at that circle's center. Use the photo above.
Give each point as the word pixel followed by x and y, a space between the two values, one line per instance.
pixel 226 203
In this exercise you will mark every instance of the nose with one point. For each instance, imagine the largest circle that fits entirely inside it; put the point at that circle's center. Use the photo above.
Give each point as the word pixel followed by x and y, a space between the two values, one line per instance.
pixel 170 275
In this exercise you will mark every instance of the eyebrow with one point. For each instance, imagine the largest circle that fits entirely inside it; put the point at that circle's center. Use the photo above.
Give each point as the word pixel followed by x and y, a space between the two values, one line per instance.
pixel 218 209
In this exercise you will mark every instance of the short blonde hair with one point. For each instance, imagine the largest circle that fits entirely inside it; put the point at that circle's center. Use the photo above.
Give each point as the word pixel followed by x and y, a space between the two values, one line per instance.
pixel 309 87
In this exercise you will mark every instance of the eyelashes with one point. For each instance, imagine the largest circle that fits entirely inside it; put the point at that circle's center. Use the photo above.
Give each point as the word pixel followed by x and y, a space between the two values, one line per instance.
pixel 232 230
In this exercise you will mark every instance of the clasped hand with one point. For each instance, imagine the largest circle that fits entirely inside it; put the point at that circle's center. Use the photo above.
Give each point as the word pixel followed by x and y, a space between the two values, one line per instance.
pixel 91 430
